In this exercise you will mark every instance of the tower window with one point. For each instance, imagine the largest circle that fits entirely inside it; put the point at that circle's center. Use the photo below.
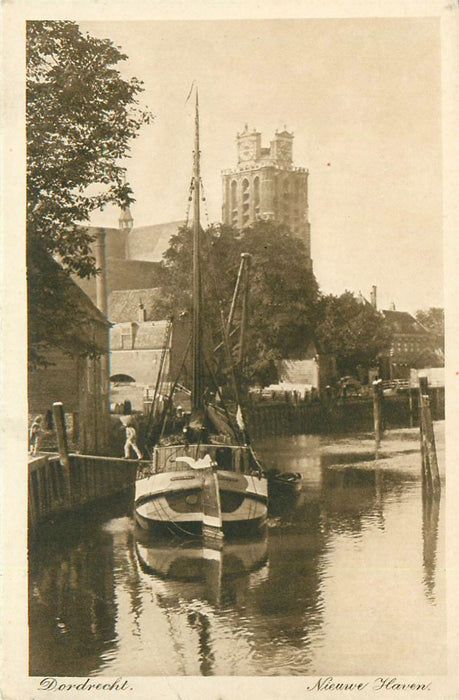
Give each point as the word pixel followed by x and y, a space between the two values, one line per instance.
pixel 233 194
pixel 256 191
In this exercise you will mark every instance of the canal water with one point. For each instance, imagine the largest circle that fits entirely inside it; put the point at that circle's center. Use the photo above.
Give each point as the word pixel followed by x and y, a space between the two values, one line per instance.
pixel 349 579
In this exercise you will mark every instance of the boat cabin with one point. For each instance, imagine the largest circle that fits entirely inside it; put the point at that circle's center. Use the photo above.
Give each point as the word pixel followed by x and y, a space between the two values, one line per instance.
pixel 232 458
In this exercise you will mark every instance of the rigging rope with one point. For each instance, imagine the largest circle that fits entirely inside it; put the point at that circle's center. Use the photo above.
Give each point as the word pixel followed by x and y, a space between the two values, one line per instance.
pixel 190 199
pixel 159 378
pixel 204 200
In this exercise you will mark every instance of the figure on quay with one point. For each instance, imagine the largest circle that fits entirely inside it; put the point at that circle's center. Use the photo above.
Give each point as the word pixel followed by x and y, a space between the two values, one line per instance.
pixel 34 435
pixel 131 442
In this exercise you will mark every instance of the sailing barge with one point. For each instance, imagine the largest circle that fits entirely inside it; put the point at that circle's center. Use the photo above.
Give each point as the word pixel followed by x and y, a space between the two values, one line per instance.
pixel 205 483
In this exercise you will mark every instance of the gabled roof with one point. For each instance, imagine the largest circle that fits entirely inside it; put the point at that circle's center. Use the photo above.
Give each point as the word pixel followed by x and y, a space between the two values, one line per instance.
pixel 149 335
pixel 124 304
pixel 70 287
pixel 403 322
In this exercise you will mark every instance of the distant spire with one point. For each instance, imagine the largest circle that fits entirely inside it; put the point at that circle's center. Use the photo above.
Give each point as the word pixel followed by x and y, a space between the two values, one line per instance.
pixel 125 222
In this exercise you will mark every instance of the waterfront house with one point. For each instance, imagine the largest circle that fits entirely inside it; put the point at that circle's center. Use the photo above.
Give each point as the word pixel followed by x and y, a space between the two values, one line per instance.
pixel 411 346
pixel 69 372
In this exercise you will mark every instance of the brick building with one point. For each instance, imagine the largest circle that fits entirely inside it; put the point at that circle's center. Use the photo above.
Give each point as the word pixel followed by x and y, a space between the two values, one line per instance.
pixel 141 346
pixel 411 346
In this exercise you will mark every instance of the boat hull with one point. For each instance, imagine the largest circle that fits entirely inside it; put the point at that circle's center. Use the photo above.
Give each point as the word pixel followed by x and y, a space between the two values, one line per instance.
pixel 172 502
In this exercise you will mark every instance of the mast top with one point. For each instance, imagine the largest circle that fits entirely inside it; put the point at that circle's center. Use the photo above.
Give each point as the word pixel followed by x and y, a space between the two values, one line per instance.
pixel 197 391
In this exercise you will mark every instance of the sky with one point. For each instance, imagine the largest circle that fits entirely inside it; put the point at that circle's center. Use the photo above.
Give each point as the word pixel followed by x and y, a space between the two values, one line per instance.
pixel 363 99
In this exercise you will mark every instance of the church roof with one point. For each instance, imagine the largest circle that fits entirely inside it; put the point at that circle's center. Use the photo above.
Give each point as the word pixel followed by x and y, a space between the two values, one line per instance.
pixel 150 242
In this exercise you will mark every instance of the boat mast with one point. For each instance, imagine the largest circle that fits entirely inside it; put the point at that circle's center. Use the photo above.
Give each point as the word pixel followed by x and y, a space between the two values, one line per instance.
pixel 197 403
pixel 245 311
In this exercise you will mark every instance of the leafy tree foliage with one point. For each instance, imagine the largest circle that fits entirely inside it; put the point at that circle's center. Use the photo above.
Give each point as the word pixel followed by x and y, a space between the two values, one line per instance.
pixel 351 329
pixel 283 291
pixel 434 320
pixel 80 116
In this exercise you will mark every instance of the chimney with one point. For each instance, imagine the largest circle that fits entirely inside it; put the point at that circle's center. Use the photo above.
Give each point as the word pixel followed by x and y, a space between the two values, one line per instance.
pixel 373 298
pixel 142 313
pixel 392 306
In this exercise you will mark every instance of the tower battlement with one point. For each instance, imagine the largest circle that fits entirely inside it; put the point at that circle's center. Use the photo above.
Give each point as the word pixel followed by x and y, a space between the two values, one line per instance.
pixel 265 185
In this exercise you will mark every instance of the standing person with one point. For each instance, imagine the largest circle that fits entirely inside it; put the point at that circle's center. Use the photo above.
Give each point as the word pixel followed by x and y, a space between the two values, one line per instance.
pixel 34 435
pixel 131 441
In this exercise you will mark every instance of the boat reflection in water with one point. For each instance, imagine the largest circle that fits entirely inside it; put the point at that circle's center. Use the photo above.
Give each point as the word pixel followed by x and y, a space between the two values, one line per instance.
pixel 192 580
pixel 192 570
pixel 106 598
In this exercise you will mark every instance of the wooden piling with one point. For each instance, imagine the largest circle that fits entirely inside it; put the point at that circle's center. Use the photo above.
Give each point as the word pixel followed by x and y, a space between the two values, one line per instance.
pixel 377 410
pixel 430 472
pixel 410 399
pixel 62 442
pixel 61 433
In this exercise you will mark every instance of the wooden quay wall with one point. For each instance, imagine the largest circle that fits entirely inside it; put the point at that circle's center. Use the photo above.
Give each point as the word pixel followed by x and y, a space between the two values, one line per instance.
pixel 271 418
pixel 54 488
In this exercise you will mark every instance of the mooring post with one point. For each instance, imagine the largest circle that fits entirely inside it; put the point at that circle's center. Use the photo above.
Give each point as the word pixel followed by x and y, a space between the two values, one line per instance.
pixel 426 480
pixel 377 410
pixel 426 474
pixel 428 448
pixel 62 443
pixel 410 399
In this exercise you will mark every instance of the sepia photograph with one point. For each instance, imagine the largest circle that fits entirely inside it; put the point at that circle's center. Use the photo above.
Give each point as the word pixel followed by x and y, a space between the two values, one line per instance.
pixel 231 256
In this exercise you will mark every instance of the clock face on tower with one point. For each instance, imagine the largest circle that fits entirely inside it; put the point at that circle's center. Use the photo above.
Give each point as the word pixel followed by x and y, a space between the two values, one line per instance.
pixel 246 152
pixel 284 150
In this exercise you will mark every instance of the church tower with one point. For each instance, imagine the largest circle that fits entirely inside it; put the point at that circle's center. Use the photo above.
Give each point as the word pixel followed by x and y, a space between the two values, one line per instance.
pixel 266 185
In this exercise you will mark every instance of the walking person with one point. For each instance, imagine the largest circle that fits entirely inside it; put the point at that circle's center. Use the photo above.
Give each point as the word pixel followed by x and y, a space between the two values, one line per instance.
pixel 131 442
pixel 34 435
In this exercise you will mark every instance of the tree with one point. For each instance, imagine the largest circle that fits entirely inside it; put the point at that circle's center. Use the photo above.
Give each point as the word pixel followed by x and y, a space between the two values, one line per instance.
pixel 433 320
pixel 80 117
pixel 283 291
pixel 352 330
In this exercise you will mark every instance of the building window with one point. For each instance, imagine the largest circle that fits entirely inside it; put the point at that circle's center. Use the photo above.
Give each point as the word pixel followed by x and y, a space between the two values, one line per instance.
pixel 126 337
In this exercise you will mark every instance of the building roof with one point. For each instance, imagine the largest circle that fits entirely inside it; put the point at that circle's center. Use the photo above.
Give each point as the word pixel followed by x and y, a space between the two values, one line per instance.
pixel 122 274
pixel 66 317
pixel 403 322
pixel 70 287
pixel 150 242
pixel 147 335
pixel 124 304
pixel 141 243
